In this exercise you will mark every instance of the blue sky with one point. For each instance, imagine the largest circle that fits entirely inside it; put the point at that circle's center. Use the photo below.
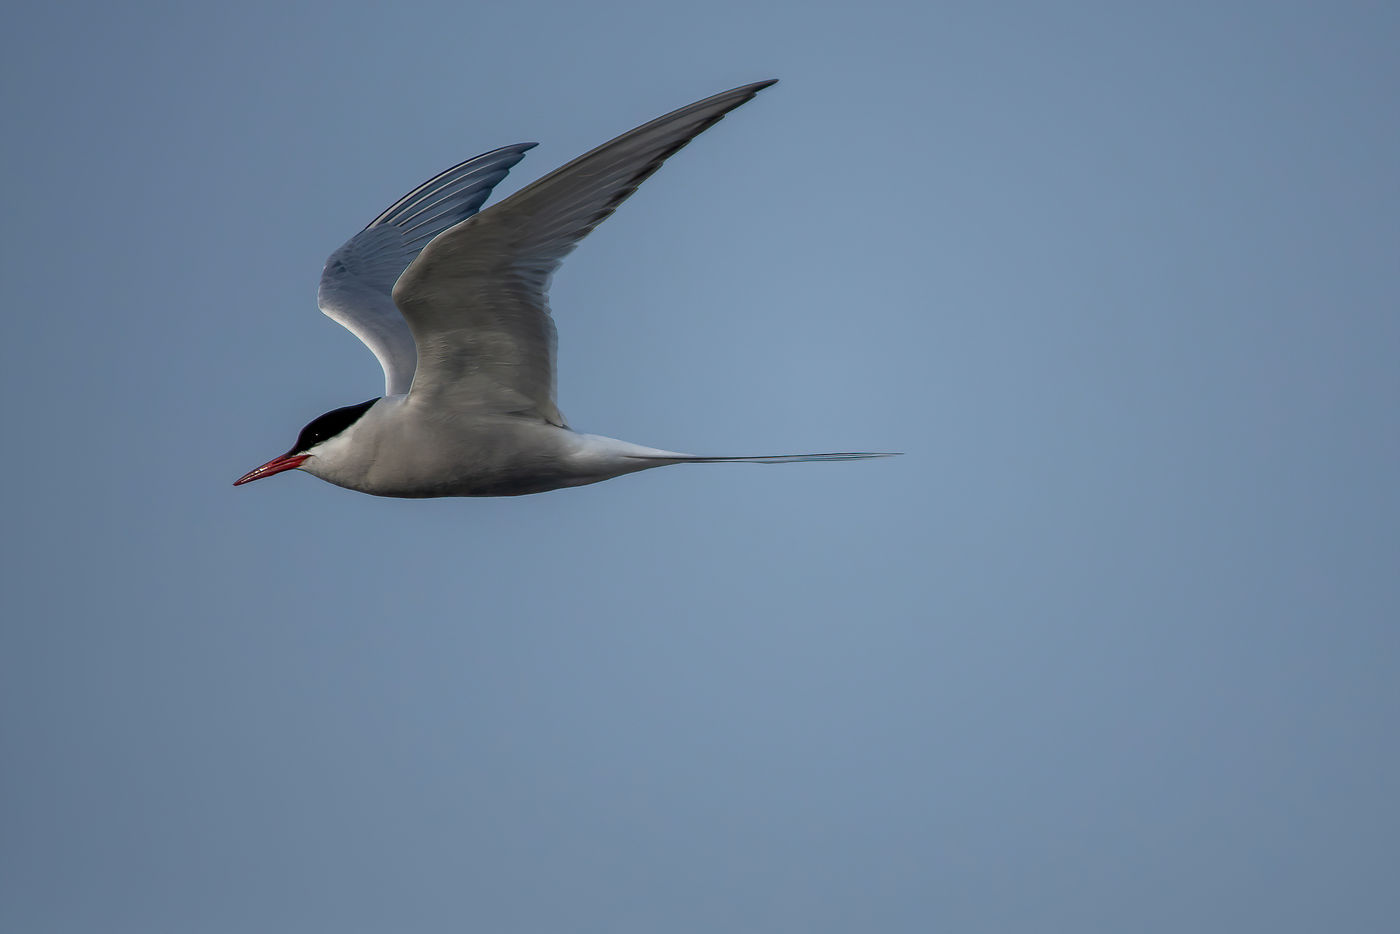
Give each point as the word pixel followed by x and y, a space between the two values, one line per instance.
pixel 1113 647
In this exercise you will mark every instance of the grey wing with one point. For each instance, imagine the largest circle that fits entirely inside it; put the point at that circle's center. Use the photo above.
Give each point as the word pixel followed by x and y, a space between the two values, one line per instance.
pixel 358 281
pixel 475 298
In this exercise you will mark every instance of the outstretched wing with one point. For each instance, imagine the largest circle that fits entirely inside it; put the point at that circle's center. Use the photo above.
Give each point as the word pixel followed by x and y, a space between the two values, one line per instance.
pixel 475 297
pixel 358 281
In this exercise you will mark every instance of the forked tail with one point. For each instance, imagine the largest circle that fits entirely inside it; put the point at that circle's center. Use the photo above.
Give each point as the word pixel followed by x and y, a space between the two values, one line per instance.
pixel 771 459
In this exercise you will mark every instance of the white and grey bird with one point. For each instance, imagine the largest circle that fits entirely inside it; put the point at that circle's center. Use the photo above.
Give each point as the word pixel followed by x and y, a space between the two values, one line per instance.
pixel 453 303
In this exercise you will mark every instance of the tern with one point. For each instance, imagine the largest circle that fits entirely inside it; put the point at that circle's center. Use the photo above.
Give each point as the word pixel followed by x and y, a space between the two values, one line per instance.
pixel 453 303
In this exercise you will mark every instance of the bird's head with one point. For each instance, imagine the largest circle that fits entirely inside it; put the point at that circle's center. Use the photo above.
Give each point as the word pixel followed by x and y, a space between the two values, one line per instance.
pixel 320 434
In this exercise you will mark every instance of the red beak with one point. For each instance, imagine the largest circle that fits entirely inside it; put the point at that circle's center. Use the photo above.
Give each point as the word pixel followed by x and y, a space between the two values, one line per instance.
pixel 276 465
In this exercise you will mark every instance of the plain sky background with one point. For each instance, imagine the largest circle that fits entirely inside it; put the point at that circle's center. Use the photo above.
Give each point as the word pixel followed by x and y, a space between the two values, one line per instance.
pixel 1112 648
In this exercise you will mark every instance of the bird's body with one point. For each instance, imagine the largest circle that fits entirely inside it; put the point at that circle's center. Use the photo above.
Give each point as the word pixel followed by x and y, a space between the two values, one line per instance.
pixel 453 303
pixel 469 455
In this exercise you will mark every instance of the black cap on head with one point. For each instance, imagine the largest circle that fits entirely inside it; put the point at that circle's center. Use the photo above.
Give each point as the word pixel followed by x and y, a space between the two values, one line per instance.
pixel 329 425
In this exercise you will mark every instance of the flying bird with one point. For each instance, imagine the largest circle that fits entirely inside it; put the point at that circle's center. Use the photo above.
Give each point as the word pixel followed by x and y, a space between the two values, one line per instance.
pixel 454 305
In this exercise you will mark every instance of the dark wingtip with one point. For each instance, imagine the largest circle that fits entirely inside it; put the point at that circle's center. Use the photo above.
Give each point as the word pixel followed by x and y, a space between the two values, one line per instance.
pixel 753 89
